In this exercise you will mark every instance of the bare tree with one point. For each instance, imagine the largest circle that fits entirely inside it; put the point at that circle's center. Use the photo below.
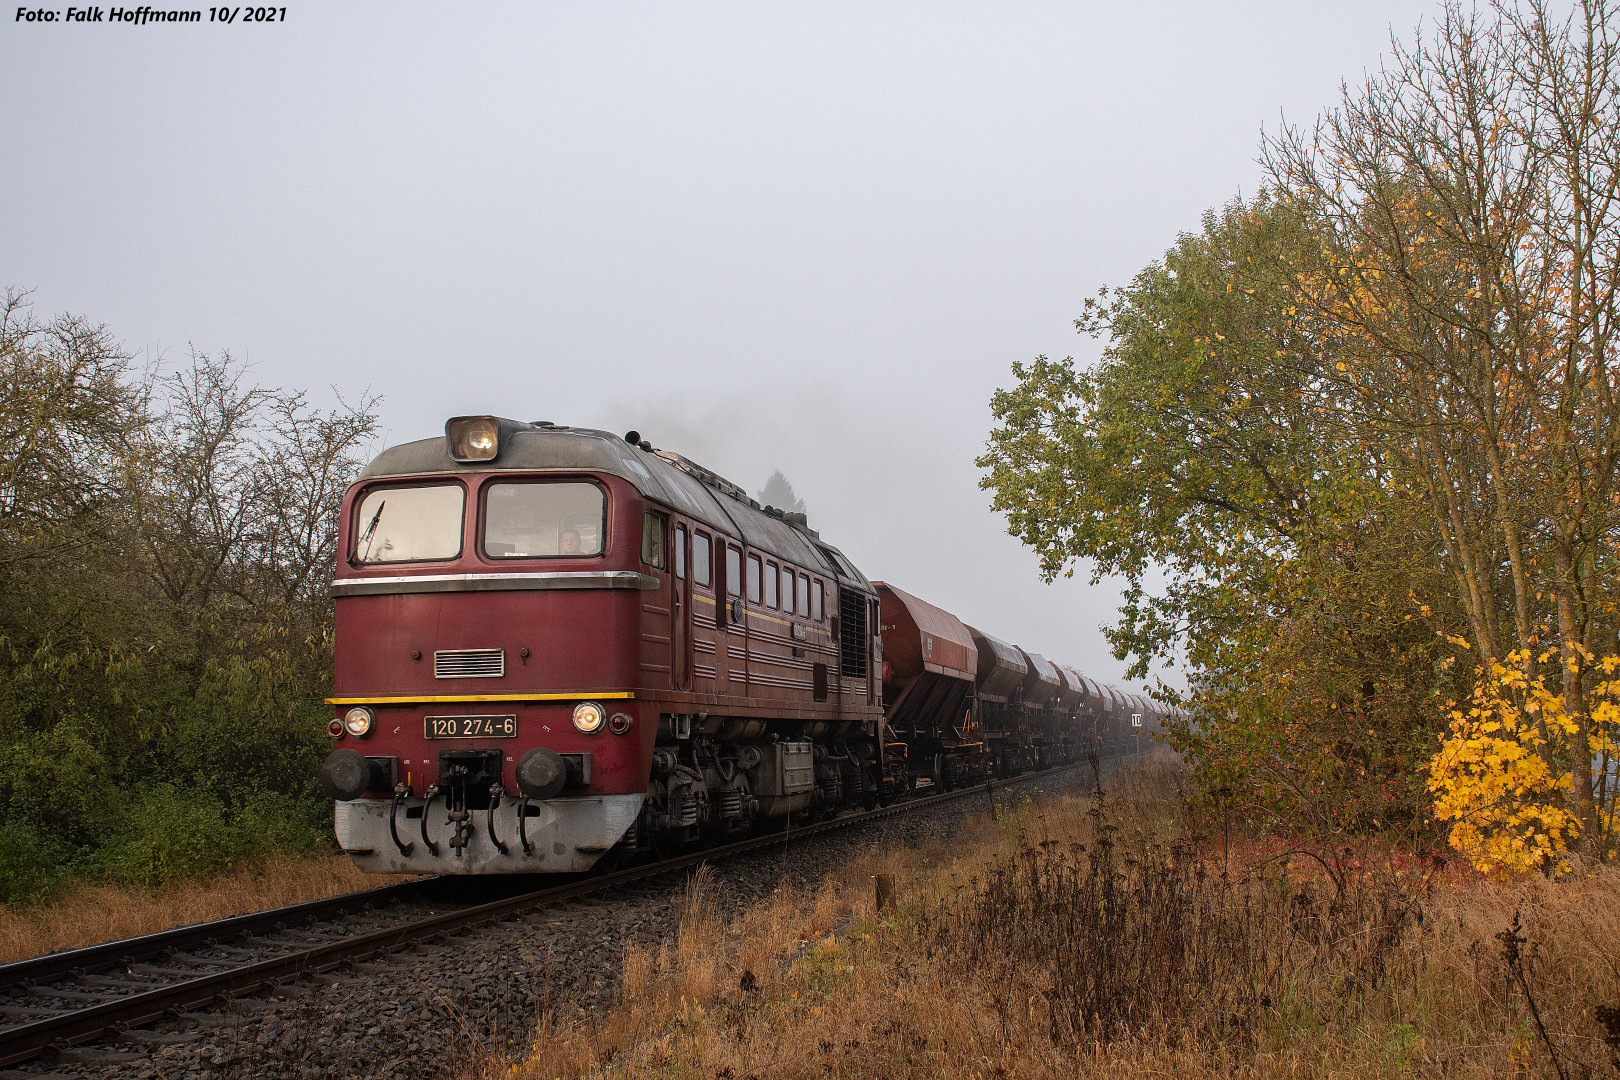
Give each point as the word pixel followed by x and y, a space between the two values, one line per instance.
pixel 303 470
pixel 235 493
pixel 193 482
pixel 69 410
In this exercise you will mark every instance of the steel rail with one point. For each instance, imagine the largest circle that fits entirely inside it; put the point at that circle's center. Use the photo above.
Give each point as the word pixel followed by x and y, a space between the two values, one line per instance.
pixel 110 1019
pixel 111 954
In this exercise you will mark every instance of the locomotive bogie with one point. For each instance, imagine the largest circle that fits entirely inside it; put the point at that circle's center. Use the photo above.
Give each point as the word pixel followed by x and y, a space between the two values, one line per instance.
pixel 701 785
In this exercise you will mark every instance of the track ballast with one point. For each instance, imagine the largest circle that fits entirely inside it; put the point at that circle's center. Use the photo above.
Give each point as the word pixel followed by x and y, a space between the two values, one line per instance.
pixel 52 1002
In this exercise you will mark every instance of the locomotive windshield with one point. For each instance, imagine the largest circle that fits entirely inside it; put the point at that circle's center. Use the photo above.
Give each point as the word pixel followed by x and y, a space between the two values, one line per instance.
pixel 409 524
pixel 543 520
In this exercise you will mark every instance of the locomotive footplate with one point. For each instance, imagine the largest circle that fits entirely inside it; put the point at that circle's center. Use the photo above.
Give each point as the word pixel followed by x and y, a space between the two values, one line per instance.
pixel 561 835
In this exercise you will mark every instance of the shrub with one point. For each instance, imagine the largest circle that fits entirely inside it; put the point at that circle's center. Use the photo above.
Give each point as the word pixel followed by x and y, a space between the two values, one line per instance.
pixel 171 833
pixel 273 822
pixel 31 863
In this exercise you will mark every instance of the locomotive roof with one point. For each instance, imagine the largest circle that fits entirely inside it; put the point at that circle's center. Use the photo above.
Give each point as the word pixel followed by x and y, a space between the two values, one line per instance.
pixel 663 477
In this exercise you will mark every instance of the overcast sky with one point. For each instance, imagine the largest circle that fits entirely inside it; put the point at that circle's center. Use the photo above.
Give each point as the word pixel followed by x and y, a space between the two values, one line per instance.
pixel 807 236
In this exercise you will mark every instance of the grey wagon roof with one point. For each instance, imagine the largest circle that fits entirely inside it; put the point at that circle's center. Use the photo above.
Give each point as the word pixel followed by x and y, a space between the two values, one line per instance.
pixel 531 449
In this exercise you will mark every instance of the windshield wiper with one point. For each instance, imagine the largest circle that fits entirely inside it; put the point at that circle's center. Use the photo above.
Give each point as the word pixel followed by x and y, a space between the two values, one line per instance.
pixel 371 528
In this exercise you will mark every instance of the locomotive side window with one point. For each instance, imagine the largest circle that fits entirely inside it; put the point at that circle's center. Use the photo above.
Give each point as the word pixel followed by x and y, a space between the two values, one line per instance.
pixel 754 574
pixel 700 559
pixel 804 595
pixel 787 589
pixel 680 551
pixel 770 584
pixel 653 527
pixel 544 520
pixel 409 524
pixel 815 607
pixel 733 571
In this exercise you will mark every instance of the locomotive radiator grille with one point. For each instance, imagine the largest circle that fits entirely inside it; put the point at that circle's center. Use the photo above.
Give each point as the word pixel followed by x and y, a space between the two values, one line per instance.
pixel 469 664
pixel 852 634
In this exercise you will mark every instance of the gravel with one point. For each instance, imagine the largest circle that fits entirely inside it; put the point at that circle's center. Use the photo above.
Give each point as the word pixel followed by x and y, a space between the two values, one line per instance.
pixel 432 1009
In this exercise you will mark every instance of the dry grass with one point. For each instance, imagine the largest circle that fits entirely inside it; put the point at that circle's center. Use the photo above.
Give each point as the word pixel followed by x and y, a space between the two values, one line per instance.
pixel 709 964
pixel 1007 948
pixel 90 914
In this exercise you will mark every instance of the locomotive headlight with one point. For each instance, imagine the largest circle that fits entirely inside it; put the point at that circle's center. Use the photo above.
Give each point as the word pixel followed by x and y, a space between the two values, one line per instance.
pixel 473 438
pixel 588 717
pixel 357 721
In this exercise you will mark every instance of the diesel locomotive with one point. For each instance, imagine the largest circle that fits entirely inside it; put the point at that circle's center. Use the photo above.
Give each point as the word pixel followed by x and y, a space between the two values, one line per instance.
pixel 553 643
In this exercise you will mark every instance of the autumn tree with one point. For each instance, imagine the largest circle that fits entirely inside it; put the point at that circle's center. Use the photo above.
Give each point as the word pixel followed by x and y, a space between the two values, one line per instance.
pixel 1466 200
pixel 1367 428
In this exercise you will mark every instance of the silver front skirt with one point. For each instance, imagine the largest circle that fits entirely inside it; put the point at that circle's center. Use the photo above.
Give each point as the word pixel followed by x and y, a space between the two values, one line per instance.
pixel 565 835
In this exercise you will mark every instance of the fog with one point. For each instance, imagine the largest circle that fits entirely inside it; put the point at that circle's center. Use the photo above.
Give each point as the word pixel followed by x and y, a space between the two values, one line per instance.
pixel 802 237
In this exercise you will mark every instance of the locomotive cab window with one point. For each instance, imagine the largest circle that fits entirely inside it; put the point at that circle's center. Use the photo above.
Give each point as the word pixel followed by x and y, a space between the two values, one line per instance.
pixel 754 574
pixel 770 584
pixel 544 520
pixel 680 551
pixel 409 524
pixel 701 566
pixel 653 527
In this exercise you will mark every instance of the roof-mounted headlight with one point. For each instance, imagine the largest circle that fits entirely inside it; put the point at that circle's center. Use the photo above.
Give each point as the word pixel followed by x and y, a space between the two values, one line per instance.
pixel 473 438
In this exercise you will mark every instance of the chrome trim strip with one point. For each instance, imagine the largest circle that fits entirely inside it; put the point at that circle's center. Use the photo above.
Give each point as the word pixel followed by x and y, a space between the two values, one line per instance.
pixel 559 579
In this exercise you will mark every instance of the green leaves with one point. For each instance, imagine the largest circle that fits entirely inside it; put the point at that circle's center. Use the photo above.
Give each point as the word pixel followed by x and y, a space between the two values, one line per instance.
pixel 1204 451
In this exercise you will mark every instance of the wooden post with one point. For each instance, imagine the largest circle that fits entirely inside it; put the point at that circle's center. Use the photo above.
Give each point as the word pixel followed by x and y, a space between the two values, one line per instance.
pixel 885 891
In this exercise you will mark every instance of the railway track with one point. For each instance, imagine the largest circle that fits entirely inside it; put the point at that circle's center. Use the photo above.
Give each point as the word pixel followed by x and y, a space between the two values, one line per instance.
pixel 52 1002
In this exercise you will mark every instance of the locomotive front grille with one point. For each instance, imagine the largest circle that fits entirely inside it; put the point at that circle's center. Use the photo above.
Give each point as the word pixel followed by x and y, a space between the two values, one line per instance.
pixel 469 664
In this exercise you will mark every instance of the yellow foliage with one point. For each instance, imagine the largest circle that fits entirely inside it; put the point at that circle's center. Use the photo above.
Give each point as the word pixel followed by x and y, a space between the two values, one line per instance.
pixel 1493 779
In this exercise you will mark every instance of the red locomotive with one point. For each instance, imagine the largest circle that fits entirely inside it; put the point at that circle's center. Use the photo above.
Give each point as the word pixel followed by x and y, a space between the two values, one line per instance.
pixel 553 643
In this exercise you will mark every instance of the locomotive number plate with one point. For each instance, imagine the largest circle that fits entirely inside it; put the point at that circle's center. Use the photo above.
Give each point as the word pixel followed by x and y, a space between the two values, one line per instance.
pixel 471 727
